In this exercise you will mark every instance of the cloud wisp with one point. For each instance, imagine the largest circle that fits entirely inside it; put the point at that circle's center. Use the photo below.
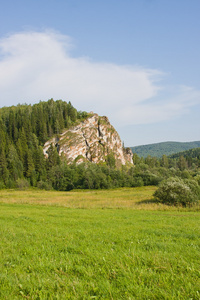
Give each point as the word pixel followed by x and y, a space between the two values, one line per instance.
pixel 38 65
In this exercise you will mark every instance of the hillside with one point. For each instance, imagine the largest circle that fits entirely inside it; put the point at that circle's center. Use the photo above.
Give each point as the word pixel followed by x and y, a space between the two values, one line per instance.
pixel 167 148
pixel 52 145
pixel 191 153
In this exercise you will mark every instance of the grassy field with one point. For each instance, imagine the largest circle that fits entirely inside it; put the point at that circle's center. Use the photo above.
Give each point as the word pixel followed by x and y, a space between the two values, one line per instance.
pixel 116 244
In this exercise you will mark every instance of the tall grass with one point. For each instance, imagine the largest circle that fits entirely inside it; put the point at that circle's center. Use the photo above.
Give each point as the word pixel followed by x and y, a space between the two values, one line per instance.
pixel 130 198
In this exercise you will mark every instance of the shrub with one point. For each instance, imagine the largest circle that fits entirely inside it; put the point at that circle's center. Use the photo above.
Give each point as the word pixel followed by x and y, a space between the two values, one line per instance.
pixel 137 181
pixel 22 184
pixel 11 184
pixel 44 185
pixel 176 191
pixel 150 178
pixel 194 186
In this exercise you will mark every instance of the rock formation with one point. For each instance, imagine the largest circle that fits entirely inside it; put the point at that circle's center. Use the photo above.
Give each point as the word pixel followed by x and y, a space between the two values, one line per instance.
pixel 91 140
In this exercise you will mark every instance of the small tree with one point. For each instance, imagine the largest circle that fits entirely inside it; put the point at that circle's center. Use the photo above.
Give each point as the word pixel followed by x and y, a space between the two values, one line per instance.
pixel 110 160
pixel 176 191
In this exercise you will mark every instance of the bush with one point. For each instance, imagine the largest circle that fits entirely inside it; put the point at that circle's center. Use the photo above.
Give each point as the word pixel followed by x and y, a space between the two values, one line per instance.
pixel 150 178
pixel 44 185
pixel 176 191
pixel 194 186
pixel 22 184
pixel 137 181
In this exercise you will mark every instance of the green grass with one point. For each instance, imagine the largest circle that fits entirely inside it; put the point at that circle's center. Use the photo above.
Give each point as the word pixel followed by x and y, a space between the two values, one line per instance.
pixel 51 251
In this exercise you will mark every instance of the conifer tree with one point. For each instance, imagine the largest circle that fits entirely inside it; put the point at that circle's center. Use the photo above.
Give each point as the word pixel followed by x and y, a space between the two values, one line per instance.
pixel 4 172
pixel 15 166
pixel 29 164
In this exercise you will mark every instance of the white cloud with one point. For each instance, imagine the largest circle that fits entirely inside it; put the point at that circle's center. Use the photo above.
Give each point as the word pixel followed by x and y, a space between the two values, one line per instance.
pixel 177 102
pixel 38 65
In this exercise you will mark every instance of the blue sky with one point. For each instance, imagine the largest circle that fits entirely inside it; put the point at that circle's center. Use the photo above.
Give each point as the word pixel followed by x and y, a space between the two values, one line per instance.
pixel 136 61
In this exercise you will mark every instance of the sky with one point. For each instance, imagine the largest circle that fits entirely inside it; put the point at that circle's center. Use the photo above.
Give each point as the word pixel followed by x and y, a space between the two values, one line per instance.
pixel 135 61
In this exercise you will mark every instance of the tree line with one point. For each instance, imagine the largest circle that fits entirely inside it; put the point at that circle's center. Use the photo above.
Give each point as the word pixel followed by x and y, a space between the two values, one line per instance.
pixel 25 128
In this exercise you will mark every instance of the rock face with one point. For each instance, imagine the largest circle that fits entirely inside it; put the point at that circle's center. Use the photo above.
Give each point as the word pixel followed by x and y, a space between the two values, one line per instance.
pixel 91 140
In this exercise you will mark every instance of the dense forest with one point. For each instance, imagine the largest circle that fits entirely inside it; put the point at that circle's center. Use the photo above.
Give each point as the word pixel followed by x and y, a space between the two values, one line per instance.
pixel 23 131
pixel 167 148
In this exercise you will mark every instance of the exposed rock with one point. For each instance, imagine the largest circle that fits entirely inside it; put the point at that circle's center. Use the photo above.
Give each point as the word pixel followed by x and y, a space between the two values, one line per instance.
pixel 91 140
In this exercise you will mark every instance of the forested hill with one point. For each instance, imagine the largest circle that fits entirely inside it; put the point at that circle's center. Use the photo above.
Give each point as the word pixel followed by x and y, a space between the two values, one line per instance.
pixel 36 122
pixel 25 128
pixel 23 131
pixel 188 154
pixel 164 148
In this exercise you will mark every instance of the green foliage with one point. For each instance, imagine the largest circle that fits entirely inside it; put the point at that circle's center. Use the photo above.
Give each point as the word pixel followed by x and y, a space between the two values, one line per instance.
pixel 22 184
pixel 187 159
pixel 15 165
pixel 197 178
pixel 53 157
pixel 177 191
pixel 193 153
pixel 44 185
pixel 165 148
pixel 24 129
pixel 2 185
pixel 110 160
pixel 4 172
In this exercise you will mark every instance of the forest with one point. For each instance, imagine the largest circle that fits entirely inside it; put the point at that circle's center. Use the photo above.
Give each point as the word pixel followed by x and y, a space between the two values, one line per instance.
pixel 167 148
pixel 25 128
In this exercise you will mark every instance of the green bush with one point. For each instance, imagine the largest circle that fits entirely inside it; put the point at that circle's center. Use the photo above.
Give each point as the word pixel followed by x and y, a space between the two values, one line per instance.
pixel 44 185
pixel 22 184
pixel 176 191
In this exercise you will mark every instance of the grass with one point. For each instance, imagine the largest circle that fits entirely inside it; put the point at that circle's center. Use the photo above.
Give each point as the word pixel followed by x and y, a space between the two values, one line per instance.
pixel 118 245
pixel 136 198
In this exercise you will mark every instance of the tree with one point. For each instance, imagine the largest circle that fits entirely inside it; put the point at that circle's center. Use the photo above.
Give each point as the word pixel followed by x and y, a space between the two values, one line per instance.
pixel 53 157
pixel 136 159
pixel 15 166
pixel 62 177
pixel 164 161
pixel 110 160
pixel 182 163
pixel 4 173
pixel 40 163
pixel 176 191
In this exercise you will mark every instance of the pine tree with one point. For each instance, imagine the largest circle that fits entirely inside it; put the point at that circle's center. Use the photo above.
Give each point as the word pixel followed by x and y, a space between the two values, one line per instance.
pixel 29 164
pixel 4 173
pixel 40 164
pixel 53 157
pixel 15 166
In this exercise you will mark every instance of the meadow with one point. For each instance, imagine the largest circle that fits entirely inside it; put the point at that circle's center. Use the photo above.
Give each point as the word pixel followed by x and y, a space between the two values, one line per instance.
pixel 113 244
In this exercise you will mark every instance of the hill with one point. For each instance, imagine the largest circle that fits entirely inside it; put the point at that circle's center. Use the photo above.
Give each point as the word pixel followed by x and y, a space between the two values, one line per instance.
pixel 39 144
pixel 52 145
pixel 167 148
pixel 191 153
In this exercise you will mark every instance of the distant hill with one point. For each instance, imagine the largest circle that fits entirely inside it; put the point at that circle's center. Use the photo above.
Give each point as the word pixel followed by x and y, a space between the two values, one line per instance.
pixel 167 148
pixel 191 153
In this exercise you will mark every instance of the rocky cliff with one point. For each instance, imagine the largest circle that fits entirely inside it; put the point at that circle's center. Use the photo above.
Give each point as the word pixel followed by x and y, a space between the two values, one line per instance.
pixel 91 140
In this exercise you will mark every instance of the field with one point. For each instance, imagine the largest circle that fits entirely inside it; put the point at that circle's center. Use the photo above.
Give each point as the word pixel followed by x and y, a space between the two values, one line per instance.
pixel 115 244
